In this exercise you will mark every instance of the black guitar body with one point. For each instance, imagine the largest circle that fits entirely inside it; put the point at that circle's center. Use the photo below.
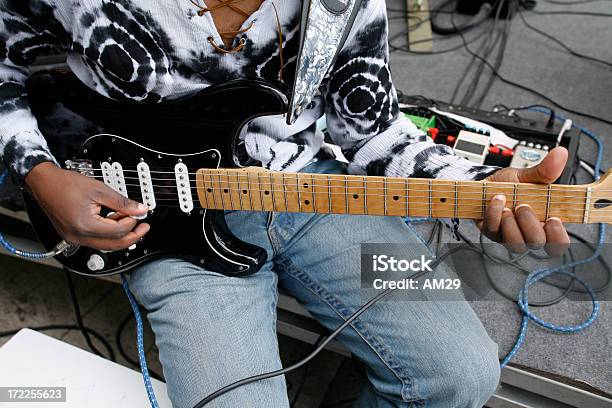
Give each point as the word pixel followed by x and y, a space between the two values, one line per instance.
pixel 200 131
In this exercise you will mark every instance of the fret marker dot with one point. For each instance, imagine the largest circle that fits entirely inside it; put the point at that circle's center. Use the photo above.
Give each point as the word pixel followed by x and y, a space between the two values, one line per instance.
pixel 209 190
pixel 443 200
pixel 355 196
pixel 244 191
pixel 307 202
pixel 395 198
pixel 225 190
pixel 266 192
pixel 305 185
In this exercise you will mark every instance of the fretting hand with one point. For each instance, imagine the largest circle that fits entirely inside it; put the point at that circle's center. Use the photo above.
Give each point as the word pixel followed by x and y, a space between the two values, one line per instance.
pixel 520 229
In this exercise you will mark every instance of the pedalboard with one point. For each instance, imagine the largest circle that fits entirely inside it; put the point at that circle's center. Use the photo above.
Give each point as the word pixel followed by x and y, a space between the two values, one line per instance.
pixel 535 137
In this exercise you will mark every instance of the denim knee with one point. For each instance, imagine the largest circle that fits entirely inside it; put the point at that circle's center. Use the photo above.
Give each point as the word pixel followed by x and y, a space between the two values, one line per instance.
pixel 474 375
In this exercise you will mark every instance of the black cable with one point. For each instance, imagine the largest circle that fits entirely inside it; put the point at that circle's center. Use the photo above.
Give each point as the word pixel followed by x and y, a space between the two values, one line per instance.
pixel 317 350
pixel 122 351
pixel 474 21
pixel 562 44
pixel 533 91
pixel 79 318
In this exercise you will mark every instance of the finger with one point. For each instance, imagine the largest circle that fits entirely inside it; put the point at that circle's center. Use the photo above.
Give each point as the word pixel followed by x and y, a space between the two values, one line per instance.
pixel 111 199
pixel 557 239
pixel 493 215
pixel 511 233
pixel 108 228
pixel 133 237
pixel 548 170
pixel 530 226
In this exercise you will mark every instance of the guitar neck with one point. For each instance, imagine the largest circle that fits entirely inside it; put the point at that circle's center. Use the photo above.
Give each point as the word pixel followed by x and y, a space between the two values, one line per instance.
pixel 255 189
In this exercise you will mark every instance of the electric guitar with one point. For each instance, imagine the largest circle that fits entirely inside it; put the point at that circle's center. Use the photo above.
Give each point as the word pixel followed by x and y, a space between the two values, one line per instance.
pixel 186 162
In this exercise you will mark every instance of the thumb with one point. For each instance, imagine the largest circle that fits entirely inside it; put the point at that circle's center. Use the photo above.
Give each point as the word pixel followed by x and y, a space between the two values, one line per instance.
pixel 113 200
pixel 548 170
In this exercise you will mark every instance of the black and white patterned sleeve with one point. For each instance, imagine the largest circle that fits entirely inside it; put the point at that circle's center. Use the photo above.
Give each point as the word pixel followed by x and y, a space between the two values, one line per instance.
pixel 363 115
pixel 22 146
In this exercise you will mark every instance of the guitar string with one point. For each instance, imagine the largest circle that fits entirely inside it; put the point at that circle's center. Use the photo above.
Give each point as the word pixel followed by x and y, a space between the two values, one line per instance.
pixel 417 205
pixel 492 186
pixel 401 198
pixel 351 190
pixel 359 179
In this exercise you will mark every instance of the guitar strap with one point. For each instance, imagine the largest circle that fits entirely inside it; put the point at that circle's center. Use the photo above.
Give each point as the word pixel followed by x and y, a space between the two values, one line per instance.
pixel 324 27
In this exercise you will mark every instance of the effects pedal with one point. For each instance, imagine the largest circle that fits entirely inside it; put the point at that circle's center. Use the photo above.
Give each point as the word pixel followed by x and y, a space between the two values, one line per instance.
pixel 528 155
pixel 472 146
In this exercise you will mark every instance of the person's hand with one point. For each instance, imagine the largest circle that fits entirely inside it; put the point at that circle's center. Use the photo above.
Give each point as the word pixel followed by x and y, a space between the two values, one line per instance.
pixel 73 203
pixel 521 229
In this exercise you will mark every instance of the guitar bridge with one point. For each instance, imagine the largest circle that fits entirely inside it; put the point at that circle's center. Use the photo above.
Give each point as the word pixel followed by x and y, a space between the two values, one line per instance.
pixel 85 167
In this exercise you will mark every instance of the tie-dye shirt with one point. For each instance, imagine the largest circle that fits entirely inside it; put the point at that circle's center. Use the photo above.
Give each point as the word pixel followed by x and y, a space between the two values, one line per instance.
pixel 150 51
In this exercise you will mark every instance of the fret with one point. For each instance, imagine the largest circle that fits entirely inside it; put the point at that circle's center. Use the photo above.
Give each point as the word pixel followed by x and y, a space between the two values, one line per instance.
pixel 321 193
pixel 278 191
pixel 356 195
pixel 346 193
pixel 210 189
pixel 418 198
pixel 314 192
pixel 429 187
pixel 547 203
pixel 469 197
pixel 224 190
pixel 267 197
pixel 566 203
pixel 407 195
pixel 514 197
pixel 292 192
pixel 456 206
pixel 203 189
pixel 484 199
pixel 305 188
pixel 285 193
pixel 375 200
pixel 243 187
pixel 385 197
pixel 365 196
pixel 329 196
pixel 254 191
pixel 218 196
pixel 234 190
pixel 272 191
pixel 535 196
pixel 221 192
pixel 396 197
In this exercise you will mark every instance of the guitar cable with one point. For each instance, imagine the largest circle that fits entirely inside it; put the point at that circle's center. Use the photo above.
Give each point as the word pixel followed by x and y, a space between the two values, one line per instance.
pixel 60 248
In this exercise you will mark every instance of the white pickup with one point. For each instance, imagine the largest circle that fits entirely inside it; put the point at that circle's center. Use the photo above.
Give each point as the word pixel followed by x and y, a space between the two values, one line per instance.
pixel 146 185
pixel 183 186
pixel 113 177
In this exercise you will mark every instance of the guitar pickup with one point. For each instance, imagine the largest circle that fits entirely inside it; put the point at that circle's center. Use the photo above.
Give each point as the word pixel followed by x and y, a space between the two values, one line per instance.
pixel 183 186
pixel 112 174
pixel 146 185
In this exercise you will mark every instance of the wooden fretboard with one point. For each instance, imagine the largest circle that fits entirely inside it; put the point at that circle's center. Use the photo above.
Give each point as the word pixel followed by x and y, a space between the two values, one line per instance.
pixel 255 189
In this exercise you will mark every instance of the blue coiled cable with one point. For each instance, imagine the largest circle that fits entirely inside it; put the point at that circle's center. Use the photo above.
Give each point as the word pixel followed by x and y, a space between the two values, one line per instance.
pixel 537 275
pixel 17 252
pixel 140 343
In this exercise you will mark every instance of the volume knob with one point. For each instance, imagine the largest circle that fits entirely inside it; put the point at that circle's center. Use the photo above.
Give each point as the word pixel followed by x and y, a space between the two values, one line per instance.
pixel 95 263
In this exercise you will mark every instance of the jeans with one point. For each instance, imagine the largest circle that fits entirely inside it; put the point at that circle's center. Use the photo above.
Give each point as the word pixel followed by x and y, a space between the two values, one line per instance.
pixel 212 330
